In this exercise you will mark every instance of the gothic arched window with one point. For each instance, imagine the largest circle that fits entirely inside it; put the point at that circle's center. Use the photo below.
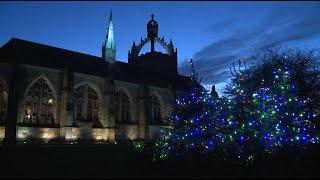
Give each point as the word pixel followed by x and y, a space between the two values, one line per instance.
pixel 123 106
pixel 40 103
pixel 156 110
pixel 3 100
pixel 86 104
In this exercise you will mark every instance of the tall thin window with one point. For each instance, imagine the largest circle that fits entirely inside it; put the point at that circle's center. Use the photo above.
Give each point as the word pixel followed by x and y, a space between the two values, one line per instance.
pixel 3 100
pixel 86 107
pixel 40 102
pixel 156 110
pixel 123 105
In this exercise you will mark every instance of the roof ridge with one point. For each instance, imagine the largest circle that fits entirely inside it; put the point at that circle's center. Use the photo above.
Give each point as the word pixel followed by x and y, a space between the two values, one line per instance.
pixel 48 46
pixel 14 39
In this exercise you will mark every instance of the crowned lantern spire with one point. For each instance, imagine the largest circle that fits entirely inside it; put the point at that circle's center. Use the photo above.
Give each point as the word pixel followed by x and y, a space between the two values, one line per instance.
pixel 152 28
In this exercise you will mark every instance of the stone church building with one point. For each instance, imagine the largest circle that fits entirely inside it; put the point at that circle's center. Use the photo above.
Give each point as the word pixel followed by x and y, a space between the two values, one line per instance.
pixel 48 93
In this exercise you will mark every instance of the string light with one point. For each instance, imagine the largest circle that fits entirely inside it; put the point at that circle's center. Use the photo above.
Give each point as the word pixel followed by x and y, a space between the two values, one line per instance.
pixel 271 118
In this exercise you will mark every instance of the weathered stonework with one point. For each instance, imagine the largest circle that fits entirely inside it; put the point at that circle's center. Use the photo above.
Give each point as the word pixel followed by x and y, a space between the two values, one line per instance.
pixel 2 131
pixel 91 98
pixel 86 132
pixel 94 134
pixel 46 134
pixel 30 74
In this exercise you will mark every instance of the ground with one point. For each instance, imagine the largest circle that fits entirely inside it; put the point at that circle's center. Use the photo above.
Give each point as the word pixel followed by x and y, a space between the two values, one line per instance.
pixel 120 161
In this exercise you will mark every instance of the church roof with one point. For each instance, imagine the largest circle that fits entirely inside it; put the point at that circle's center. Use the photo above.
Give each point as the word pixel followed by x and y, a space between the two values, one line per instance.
pixel 31 53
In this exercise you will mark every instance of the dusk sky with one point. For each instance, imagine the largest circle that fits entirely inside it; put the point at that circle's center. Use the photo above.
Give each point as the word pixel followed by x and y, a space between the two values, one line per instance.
pixel 214 34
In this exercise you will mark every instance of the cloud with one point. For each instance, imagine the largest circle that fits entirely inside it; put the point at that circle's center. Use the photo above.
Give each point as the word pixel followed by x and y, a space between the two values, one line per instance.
pixel 209 68
pixel 227 44
pixel 220 26
pixel 279 27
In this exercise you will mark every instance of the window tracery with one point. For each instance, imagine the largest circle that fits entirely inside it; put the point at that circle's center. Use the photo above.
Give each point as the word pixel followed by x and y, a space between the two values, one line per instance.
pixel 40 103
pixel 123 106
pixel 86 105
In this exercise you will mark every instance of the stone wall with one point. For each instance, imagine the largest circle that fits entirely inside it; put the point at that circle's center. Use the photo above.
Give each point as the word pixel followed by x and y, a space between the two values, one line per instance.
pixel 25 133
pixel 109 131
pixel 2 131
pixel 5 70
pixel 127 131
pixel 83 134
pixel 131 90
pixel 166 99
pixel 96 134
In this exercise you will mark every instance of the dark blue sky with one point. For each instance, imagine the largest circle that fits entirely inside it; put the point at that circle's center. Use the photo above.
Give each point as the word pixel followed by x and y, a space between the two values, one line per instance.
pixel 215 34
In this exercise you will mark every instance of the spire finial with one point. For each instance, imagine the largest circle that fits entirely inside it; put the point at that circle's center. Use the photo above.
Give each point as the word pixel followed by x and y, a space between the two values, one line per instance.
pixel 110 17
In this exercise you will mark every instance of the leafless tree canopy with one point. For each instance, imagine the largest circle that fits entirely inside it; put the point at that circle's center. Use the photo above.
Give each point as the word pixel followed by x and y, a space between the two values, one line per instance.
pixel 304 66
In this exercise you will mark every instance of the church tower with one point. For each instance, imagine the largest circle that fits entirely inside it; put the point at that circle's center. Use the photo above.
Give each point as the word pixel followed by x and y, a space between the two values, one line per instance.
pixel 154 61
pixel 109 45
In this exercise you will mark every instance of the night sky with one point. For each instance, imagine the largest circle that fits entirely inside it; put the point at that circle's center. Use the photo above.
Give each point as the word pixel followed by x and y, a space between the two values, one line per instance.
pixel 214 34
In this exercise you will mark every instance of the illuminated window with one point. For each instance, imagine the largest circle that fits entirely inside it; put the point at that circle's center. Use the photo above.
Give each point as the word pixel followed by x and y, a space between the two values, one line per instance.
pixel 156 110
pixel 3 100
pixel 123 106
pixel 40 102
pixel 86 107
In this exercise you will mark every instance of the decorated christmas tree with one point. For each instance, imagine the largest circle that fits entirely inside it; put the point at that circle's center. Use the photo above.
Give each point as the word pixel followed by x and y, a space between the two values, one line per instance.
pixel 282 119
pixel 239 126
pixel 238 109
pixel 193 121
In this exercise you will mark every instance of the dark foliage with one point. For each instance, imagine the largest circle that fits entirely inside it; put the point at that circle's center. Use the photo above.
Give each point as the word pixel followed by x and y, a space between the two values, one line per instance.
pixel 304 65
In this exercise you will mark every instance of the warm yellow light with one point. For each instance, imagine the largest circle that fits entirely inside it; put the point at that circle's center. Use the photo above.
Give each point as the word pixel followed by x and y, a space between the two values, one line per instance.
pixel 98 137
pixel 50 101
pixel 48 135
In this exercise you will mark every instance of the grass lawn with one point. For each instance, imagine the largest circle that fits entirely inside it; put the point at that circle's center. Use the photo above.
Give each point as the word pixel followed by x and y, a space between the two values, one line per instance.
pixel 120 161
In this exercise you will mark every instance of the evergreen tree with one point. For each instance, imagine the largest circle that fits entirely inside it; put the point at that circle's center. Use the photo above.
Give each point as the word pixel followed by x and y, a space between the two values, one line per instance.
pixel 239 110
pixel 193 122
pixel 283 118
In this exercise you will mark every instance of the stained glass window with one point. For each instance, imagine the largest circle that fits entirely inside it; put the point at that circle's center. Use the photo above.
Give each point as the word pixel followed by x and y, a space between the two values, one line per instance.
pixel 39 103
pixel 86 108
